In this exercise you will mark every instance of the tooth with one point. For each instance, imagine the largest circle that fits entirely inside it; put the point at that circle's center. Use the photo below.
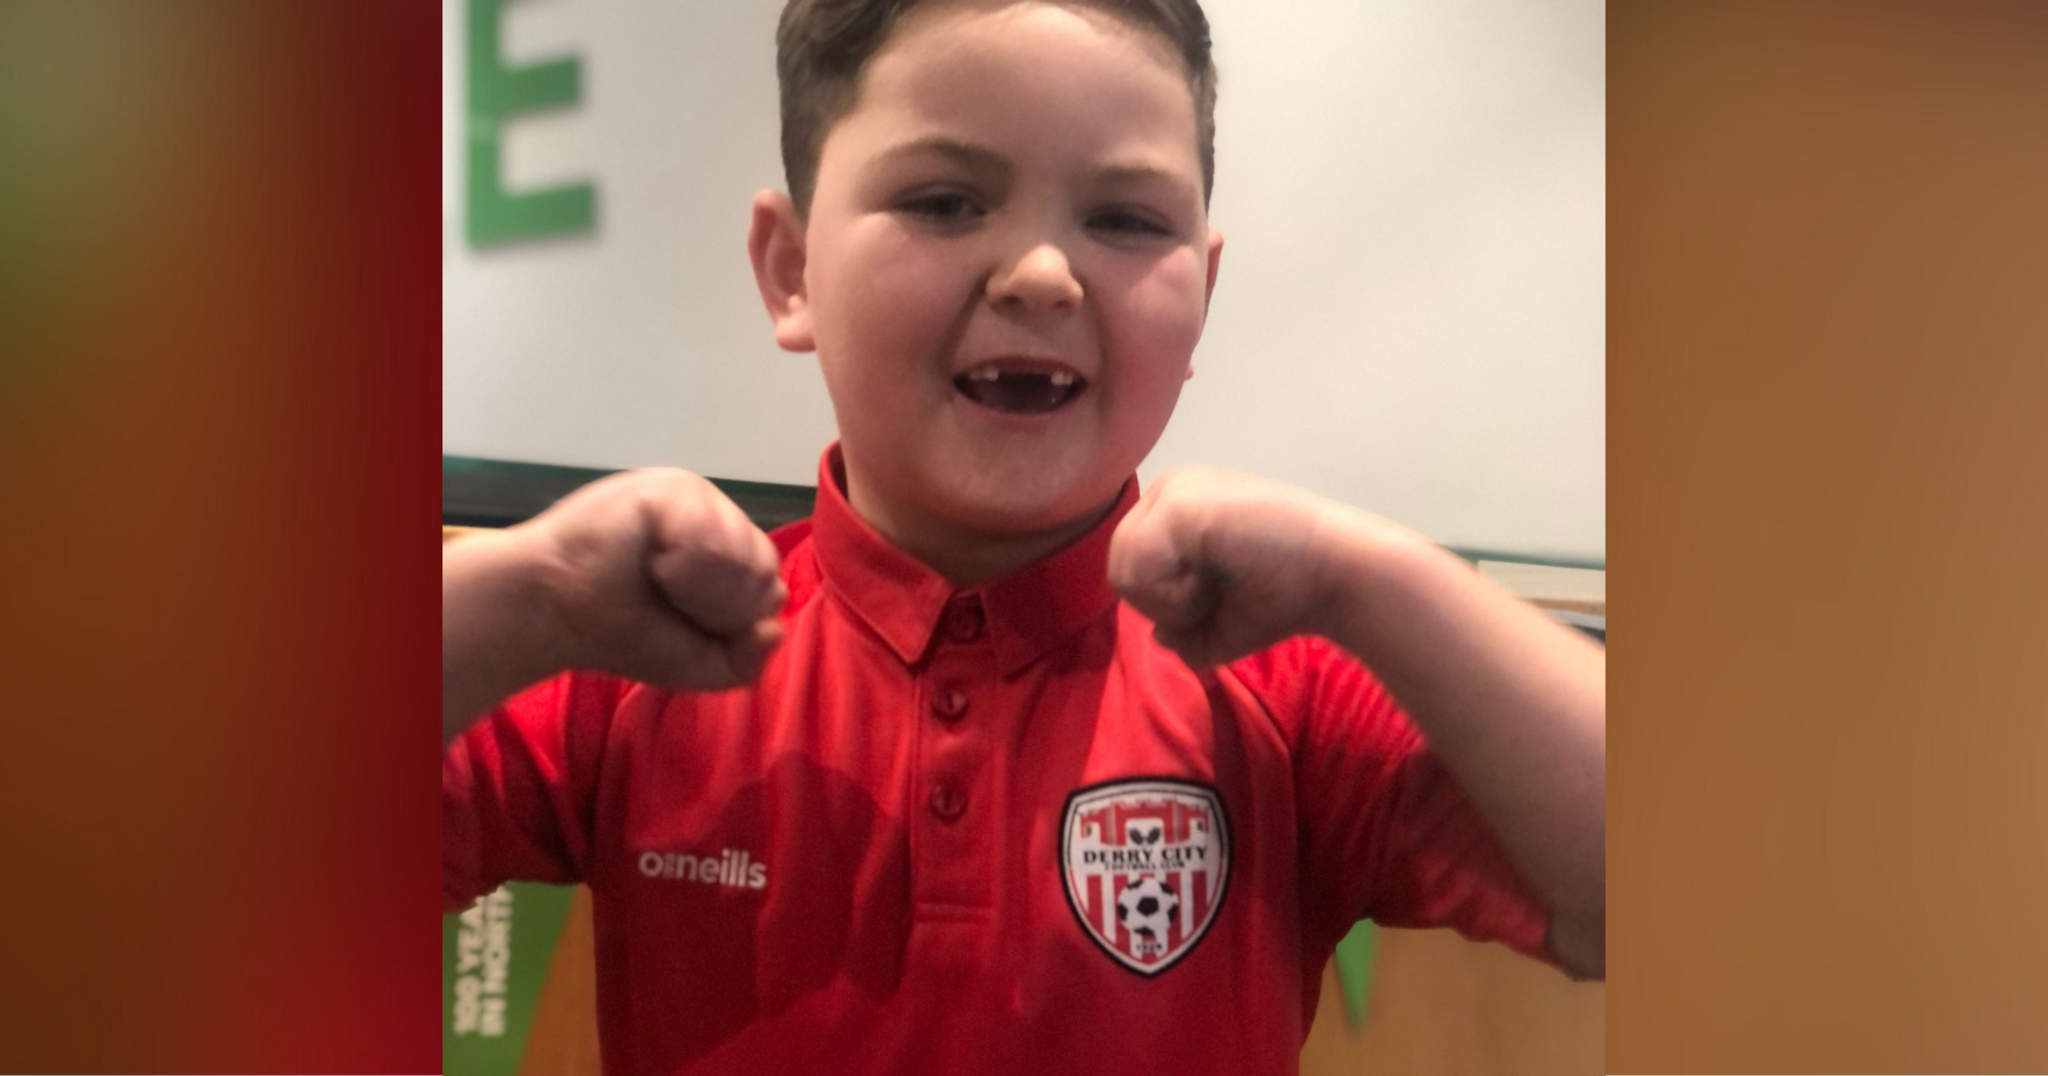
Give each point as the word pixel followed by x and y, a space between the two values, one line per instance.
pixel 1062 378
pixel 985 373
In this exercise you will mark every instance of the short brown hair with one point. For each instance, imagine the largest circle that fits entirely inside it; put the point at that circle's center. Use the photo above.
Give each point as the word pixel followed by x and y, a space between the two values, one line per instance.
pixel 821 47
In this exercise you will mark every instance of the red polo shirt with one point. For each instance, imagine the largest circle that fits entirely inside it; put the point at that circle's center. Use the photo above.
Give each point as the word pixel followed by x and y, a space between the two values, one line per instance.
pixel 988 831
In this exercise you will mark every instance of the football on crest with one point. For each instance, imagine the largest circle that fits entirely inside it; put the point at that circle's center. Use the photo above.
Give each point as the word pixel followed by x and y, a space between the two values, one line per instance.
pixel 1147 907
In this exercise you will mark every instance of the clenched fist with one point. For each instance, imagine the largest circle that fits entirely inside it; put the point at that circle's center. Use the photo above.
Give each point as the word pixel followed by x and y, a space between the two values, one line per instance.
pixel 1227 565
pixel 657 576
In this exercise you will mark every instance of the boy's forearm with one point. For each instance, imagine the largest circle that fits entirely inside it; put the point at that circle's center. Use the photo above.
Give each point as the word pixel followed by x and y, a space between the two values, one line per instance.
pixel 1514 703
pixel 493 626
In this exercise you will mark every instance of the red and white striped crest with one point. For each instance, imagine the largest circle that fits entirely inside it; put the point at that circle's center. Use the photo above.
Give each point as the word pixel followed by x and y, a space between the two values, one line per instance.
pixel 1145 863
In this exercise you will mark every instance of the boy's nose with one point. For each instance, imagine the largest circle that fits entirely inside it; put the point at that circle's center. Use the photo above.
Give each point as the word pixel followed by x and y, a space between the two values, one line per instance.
pixel 1040 280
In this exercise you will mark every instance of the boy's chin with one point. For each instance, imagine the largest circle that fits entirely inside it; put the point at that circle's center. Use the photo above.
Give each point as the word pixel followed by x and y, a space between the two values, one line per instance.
pixel 1018 514
pixel 1009 496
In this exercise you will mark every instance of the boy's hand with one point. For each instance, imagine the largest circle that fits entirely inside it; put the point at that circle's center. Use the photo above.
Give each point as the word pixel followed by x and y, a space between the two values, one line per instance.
pixel 1226 565
pixel 1515 704
pixel 657 576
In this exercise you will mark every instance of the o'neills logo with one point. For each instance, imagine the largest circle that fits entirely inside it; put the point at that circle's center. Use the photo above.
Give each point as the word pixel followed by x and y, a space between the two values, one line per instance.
pixel 1145 863
pixel 727 868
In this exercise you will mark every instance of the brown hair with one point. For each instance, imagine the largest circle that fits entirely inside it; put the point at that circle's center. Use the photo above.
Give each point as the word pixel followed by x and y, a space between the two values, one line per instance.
pixel 821 47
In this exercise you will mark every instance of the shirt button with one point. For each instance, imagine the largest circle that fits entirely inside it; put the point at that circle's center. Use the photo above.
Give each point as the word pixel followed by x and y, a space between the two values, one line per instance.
pixel 949 703
pixel 947 801
pixel 964 623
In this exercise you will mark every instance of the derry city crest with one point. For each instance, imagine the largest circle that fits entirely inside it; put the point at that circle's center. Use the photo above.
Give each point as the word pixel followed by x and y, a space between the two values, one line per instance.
pixel 1145 862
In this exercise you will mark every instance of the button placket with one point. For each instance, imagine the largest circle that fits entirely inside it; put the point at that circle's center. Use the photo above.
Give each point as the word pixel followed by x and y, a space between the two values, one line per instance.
pixel 948 801
pixel 948 703
pixel 965 621
pixel 951 845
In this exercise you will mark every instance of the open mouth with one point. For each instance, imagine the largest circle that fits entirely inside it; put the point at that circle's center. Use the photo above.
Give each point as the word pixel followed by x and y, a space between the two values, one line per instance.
pixel 1016 389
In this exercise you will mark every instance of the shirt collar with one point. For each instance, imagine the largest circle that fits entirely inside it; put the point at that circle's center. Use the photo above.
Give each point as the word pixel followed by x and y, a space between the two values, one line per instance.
pixel 1028 612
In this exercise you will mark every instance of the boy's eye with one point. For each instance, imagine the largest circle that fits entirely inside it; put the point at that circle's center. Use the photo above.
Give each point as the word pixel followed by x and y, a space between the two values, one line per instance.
pixel 942 207
pixel 1126 222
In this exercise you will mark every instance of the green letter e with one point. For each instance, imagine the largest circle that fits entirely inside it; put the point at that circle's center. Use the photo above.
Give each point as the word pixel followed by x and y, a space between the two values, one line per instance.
pixel 497 93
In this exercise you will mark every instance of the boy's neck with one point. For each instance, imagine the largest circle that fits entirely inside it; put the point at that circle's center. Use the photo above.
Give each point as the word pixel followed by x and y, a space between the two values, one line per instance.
pixel 966 557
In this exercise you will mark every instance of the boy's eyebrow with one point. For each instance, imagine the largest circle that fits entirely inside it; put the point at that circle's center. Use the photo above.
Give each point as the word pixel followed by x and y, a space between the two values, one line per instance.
pixel 983 159
pixel 1145 173
pixel 979 158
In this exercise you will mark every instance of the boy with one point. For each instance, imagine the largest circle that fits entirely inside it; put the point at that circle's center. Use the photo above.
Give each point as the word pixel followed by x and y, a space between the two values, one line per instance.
pixel 993 765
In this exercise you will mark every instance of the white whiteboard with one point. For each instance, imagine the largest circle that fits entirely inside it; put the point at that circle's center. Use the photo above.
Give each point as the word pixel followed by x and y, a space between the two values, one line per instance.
pixel 1410 315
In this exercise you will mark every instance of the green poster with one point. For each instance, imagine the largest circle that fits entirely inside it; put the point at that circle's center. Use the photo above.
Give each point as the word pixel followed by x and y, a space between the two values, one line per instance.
pixel 1354 969
pixel 494 958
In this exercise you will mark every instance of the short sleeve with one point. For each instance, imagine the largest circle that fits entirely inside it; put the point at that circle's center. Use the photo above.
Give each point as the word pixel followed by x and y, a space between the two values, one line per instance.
pixel 1386 832
pixel 518 788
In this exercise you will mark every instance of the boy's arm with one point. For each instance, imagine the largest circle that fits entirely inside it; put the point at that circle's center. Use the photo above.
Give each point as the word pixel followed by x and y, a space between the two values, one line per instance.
pixel 1514 704
pixel 653 575
pixel 495 622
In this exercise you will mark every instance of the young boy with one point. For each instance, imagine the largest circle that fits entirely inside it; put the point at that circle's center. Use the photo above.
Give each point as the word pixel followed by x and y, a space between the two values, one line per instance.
pixel 994 765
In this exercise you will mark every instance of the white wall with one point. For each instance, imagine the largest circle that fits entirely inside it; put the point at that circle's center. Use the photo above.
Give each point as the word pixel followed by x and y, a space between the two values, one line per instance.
pixel 1410 316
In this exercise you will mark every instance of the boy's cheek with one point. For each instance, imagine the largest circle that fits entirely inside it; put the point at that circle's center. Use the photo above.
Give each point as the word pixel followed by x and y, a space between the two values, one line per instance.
pixel 872 312
pixel 1178 288
pixel 891 274
pixel 1162 318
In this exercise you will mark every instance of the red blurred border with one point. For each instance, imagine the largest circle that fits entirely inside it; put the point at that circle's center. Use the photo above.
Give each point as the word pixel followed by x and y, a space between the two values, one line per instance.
pixel 221 421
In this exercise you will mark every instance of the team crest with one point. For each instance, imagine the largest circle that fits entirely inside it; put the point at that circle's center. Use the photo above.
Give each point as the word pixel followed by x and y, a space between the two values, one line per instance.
pixel 1145 862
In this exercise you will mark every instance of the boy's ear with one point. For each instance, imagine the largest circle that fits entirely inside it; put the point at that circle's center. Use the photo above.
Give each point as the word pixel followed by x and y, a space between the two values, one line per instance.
pixel 1215 261
pixel 1209 289
pixel 775 243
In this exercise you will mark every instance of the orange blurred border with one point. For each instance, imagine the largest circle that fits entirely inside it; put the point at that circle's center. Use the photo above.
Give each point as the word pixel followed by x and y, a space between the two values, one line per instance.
pixel 1828 351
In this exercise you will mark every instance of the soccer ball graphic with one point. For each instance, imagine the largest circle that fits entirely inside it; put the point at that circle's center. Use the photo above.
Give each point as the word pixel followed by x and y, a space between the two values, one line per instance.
pixel 1147 907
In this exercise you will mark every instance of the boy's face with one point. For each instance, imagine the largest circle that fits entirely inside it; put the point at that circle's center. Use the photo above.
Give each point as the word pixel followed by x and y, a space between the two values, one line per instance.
pixel 1007 265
